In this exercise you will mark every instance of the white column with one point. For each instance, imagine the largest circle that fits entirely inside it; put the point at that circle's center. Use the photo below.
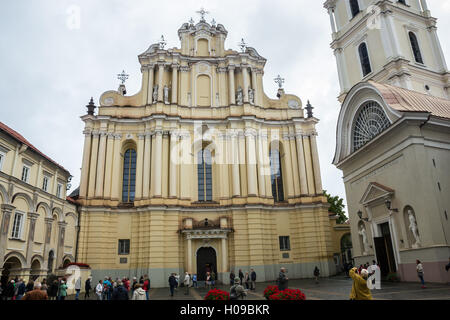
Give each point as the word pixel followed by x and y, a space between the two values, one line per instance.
pixel 101 165
pixel 189 253
pixel 151 76
pixel 301 164
pixel 252 184
pixel 139 166
pixel 175 84
pixel 117 175
pixel 244 69
pixel 93 164
pixel 309 166
pixel 158 163
pixel 160 82
pixel 147 166
pixel 437 50
pixel 424 5
pixel 235 165
pixel 224 255
pixel 316 163
pixel 255 85
pixel 231 88
pixel 260 167
pixel 173 168
pixel 331 13
pixel 108 165
pixel 342 69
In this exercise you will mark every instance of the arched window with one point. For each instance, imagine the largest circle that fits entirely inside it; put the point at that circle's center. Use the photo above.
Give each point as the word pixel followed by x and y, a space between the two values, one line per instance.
pixel 276 175
pixel 415 47
pixel 204 170
pixel 129 176
pixel 364 57
pixel 354 6
pixel 370 122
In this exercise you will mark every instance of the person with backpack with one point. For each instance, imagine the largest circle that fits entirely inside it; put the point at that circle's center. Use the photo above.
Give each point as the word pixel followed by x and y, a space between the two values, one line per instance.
pixel 194 280
pixel 252 279
pixel 237 291
pixel 172 283
pixel 106 287
pixel 119 293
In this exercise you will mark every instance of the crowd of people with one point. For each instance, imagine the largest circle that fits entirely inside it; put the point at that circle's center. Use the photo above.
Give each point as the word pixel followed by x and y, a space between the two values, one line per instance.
pixel 248 279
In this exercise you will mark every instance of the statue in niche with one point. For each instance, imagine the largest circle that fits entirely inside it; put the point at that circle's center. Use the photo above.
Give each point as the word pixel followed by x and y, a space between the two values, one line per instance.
pixel 251 95
pixel 362 232
pixel 155 94
pixel 414 229
pixel 239 96
pixel 166 95
pixel 217 100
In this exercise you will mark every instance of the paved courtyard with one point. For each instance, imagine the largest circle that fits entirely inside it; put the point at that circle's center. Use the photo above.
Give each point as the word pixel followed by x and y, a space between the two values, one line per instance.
pixel 335 288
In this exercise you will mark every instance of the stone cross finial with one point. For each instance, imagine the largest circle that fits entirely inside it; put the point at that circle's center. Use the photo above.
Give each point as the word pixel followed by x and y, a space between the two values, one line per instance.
pixel 123 76
pixel 279 80
pixel 191 21
pixel 202 12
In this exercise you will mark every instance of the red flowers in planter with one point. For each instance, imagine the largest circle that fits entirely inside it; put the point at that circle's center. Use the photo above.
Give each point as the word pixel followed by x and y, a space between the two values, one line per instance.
pixel 270 290
pixel 273 293
pixel 216 294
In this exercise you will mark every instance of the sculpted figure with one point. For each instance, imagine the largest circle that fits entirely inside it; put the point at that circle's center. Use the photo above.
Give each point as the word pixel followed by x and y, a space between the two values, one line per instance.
pixel 155 94
pixel 239 97
pixel 413 228
pixel 363 233
pixel 251 96
pixel 166 94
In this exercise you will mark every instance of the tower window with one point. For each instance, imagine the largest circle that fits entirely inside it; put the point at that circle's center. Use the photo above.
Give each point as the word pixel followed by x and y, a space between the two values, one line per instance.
pixel 415 47
pixel 354 6
pixel 364 57
pixel 402 2
pixel 204 171
pixel 276 175
pixel 129 176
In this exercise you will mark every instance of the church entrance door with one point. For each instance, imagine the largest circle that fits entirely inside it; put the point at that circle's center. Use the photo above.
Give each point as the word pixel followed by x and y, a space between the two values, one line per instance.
pixel 206 262
pixel 384 250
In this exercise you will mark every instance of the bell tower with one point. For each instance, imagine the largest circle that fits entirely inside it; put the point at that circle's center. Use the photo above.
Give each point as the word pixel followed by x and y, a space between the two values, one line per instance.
pixel 388 41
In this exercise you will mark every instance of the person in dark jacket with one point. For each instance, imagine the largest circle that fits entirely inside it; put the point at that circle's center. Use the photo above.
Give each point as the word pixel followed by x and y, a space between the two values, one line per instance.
pixel 282 280
pixel 21 289
pixel 241 275
pixel 9 291
pixel 53 290
pixel 172 283
pixel 87 288
pixel 232 276
pixel 252 279
pixel 316 274
pixel 119 293
pixel 30 286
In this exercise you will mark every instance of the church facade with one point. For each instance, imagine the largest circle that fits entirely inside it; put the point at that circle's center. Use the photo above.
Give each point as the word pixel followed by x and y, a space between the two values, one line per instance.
pixel 201 171
pixel 393 134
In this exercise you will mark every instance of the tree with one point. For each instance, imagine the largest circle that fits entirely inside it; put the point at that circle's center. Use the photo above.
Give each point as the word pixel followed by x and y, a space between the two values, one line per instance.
pixel 336 206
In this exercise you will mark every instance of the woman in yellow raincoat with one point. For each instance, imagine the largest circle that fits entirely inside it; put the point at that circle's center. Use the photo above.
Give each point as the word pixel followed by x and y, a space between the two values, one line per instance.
pixel 360 291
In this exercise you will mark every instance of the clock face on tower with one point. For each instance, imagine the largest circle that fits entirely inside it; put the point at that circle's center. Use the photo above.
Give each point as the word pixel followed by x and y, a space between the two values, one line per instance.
pixel 370 122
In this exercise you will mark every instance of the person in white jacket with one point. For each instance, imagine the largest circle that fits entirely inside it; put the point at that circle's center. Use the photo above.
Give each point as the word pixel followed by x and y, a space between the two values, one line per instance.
pixel 187 282
pixel 99 290
pixel 139 293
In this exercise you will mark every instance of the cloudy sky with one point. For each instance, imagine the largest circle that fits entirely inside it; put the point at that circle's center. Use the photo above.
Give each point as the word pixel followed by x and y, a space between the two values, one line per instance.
pixel 51 66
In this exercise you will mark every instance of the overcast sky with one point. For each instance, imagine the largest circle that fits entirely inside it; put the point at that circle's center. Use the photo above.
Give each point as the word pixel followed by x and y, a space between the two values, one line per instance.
pixel 50 68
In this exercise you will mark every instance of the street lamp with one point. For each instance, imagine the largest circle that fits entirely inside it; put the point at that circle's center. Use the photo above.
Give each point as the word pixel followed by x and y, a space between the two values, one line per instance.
pixel 360 216
pixel 388 204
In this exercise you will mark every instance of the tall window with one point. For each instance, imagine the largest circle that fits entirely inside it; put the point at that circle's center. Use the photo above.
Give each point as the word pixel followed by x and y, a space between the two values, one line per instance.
pixel 25 173
pixel 204 170
pixel 364 57
pixel 129 176
pixel 59 190
pixel 276 175
pixel 402 1
pixel 17 225
pixel 45 183
pixel 354 6
pixel 2 158
pixel 124 246
pixel 415 47
pixel 285 244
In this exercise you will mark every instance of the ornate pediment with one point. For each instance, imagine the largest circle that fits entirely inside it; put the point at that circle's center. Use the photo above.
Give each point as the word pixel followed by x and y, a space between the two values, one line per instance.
pixel 376 191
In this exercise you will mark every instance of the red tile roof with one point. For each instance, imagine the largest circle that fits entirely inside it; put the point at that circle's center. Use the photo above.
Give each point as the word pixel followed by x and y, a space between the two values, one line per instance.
pixel 17 136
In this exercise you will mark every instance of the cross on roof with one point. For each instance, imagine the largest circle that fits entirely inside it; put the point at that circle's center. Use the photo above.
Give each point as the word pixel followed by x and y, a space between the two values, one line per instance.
pixel 202 12
pixel 123 76
pixel 242 45
pixel 162 43
pixel 279 80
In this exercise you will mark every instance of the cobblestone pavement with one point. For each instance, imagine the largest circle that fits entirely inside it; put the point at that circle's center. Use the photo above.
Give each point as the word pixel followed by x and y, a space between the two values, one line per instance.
pixel 334 288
